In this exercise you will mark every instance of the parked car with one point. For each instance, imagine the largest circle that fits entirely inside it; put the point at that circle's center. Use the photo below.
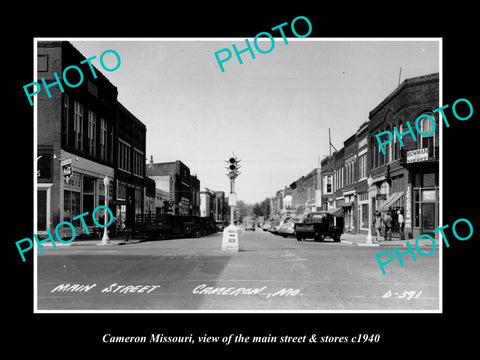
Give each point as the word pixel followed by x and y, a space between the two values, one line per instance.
pixel 220 225
pixel 266 225
pixel 318 225
pixel 274 226
pixel 288 227
pixel 161 226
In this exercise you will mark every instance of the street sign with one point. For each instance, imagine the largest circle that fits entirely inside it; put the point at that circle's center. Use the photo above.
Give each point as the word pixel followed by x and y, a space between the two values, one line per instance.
pixel 232 199
pixel 230 239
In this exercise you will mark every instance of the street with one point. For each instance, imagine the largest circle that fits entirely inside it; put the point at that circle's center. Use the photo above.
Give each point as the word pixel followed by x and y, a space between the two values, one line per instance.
pixel 271 273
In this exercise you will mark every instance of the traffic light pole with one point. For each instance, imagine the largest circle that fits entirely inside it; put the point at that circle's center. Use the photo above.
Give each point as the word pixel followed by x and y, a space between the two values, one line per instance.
pixel 232 207
pixel 230 233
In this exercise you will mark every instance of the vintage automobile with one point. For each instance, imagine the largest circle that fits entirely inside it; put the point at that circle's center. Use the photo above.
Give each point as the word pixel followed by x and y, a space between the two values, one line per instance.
pixel 249 223
pixel 267 224
pixel 274 226
pixel 318 225
pixel 220 225
pixel 288 227
pixel 161 226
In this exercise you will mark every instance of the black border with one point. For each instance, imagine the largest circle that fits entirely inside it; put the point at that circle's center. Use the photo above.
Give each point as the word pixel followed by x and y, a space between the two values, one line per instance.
pixel 412 334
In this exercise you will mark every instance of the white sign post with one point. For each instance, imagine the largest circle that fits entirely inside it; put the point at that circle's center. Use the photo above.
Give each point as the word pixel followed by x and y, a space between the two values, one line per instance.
pixel 230 238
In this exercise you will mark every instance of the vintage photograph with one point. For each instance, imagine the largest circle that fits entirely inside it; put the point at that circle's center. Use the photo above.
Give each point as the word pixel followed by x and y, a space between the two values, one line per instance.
pixel 267 174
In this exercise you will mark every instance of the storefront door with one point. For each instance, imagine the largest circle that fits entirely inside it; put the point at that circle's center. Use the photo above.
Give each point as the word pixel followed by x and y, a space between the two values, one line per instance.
pixel 428 218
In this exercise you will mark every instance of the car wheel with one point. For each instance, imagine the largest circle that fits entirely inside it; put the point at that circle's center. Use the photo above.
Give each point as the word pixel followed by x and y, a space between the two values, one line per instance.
pixel 299 237
pixel 196 233
pixel 161 236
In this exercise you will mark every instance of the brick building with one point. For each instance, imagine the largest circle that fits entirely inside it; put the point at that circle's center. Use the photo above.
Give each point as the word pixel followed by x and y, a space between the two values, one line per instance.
pixel 406 179
pixel 174 177
pixel 78 139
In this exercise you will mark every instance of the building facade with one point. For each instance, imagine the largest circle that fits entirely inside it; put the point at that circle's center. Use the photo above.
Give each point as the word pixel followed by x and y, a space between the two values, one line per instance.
pixel 174 178
pixel 406 179
pixel 77 142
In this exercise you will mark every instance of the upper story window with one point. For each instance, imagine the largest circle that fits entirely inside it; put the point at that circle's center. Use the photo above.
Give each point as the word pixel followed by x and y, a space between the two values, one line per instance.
pixel 92 133
pixel 124 156
pixel 78 125
pixel 327 184
pixel 65 119
pixel 103 140
pixel 427 126
pixel 362 166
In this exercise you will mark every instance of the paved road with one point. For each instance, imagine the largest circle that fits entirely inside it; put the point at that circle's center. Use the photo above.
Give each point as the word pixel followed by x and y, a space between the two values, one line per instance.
pixel 270 274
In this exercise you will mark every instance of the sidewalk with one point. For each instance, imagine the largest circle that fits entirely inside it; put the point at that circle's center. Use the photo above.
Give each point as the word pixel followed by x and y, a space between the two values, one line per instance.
pixel 361 240
pixel 80 242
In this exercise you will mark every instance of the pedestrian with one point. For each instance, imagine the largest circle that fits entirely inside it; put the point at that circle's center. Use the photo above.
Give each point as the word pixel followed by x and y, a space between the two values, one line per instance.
pixel 388 227
pixel 401 225
pixel 377 224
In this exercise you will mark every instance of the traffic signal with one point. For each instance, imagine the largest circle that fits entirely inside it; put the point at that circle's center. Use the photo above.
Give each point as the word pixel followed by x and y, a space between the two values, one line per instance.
pixel 232 166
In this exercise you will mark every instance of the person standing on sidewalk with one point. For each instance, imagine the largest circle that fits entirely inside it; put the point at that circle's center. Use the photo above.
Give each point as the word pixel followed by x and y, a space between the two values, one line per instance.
pixel 388 227
pixel 377 223
pixel 401 225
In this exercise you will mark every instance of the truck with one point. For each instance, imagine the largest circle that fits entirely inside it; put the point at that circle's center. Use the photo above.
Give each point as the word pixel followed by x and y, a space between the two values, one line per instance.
pixel 318 225
pixel 161 226
pixel 249 223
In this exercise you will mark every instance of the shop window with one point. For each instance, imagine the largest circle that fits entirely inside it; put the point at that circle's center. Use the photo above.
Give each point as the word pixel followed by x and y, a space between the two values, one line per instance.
pixel 364 216
pixel 429 179
pixel 41 209
pixel 88 197
pixel 71 205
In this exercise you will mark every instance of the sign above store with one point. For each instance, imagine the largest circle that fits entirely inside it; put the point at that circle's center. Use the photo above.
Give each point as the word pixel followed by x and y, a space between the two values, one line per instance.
pixel 417 155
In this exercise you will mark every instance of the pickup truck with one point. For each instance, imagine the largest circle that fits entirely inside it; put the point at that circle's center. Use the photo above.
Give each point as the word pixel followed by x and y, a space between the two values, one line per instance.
pixel 318 225
pixel 161 226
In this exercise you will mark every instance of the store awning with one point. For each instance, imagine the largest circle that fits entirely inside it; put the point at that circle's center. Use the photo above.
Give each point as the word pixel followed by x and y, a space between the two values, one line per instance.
pixel 335 211
pixel 347 204
pixel 396 200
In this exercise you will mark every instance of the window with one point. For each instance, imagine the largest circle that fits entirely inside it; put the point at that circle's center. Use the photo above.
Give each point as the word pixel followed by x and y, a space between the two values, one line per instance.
pixel 362 166
pixel 110 145
pixel 138 201
pixel 389 151
pixel 92 130
pixel 427 126
pixel 327 181
pixel 78 125
pixel 65 119
pixel 103 140
pixel 71 203
pixel 138 162
pixel 89 186
pixel 124 156
pixel 364 216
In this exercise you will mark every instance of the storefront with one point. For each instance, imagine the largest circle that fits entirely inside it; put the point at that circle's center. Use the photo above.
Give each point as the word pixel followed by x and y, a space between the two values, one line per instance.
pixel 82 190
pixel 422 195
pixel 349 211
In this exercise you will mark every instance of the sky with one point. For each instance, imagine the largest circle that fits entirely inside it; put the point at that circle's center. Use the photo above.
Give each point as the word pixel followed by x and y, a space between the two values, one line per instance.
pixel 273 111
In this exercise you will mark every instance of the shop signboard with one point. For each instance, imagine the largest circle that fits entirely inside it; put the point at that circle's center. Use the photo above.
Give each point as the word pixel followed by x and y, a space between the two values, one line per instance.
pixel 417 155
pixel 67 169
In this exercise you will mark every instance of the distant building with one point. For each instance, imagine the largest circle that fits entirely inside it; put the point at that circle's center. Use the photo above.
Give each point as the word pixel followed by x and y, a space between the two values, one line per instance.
pixel 174 178
pixel 206 203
